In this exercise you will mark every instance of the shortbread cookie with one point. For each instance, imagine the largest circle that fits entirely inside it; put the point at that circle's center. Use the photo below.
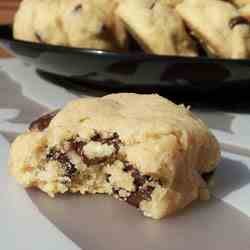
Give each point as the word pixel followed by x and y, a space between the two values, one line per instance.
pixel 156 27
pixel 142 149
pixel 215 23
pixel 74 23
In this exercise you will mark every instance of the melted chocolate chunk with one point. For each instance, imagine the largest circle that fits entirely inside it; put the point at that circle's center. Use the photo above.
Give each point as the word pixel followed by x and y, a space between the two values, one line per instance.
pixel 143 194
pixel 139 179
pixel 67 165
pixel 127 166
pixel 77 8
pixel 208 176
pixel 116 192
pixel 114 140
pixel 39 38
pixel 43 122
pixel 78 146
pixel 238 21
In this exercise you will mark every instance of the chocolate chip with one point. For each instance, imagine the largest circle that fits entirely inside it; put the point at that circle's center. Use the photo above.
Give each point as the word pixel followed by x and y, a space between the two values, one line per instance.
pixel 53 154
pixel 96 137
pixel 77 8
pixel 116 191
pixel 127 166
pixel 152 5
pixel 208 176
pixel 62 158
pixel 78 146
pixel 43 122
pixel 107 177
pixel 139 179
pixel 39 38
pixel 135 198
pixel 238 21
pixel 114 140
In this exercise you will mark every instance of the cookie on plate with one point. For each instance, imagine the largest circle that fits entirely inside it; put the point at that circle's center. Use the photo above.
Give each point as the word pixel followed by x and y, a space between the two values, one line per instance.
pixel 156 27
pixel 74 23
pixel 224 34
pixel 245 12
pixel 142 149
pixel 93 24
pixel 23 22
pixel 240 3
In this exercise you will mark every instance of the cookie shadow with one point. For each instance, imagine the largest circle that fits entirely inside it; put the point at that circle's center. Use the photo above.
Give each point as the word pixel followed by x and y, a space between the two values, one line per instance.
pixel 231 176
pixel 28 109
pixel 9 136
pixel 102 223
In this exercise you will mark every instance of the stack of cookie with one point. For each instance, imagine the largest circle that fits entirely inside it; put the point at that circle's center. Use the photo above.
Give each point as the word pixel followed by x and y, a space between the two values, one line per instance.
pixel 164 27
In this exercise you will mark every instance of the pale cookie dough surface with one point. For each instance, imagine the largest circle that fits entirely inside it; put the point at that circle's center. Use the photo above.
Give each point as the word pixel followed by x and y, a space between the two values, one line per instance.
pixel 245 11
pixel 74 23
pixel 222 33
pixel 156 27
pixel 142 149
pixel 240 3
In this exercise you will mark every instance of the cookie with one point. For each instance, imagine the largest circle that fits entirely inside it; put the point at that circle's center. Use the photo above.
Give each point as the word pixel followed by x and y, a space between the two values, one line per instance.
pixel 23 22
pixel 88 22
pixel 223 35
pixel 42 122
pixel 240 3
pixel 245 12
pixel 141 149
pixel 156 27
pixel 74 23
pixel 173 3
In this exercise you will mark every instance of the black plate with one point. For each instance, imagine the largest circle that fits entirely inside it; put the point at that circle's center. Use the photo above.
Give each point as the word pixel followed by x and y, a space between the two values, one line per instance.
pixel 129 71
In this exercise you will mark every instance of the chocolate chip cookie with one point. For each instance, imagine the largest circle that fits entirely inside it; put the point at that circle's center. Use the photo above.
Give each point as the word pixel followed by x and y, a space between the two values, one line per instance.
pixel 240 3
pixel 218 26
pixel 76 23
pixel 156 27
pixel 141 149
pixel 245 12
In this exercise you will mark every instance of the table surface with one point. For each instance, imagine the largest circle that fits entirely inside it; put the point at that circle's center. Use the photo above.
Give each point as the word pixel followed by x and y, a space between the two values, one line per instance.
pixel 7 11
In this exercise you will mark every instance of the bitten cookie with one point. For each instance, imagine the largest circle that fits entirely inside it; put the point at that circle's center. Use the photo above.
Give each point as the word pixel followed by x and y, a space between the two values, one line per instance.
pixel 74 23
pixel 142 149
pixel 156 27
pixel 218 26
